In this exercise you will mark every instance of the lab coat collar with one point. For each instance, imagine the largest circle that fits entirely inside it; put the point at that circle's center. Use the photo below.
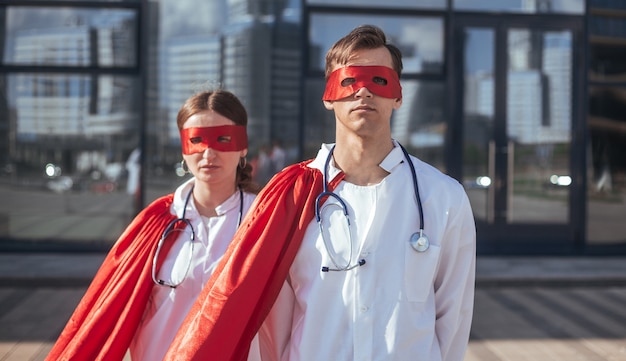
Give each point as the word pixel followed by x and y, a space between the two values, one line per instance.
pixel 179 198
pixel 181 194
pixel 389 164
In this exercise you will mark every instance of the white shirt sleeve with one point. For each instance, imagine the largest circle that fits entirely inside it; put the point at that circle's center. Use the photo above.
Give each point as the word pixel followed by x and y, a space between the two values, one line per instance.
pixel 454 283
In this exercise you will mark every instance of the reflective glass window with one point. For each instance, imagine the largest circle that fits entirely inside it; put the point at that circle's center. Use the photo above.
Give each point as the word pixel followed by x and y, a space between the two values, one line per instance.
pixel 606 193
pixel 607 48
pixel 66 144
pixel 606 123
pixel 607 4
pixel 478 93
pixel 70 37
pixel 408 4
pixel 94 1
pixel 522 6
pixel 206 45
pixel 539 123
pixel 421 122
pixel 420 38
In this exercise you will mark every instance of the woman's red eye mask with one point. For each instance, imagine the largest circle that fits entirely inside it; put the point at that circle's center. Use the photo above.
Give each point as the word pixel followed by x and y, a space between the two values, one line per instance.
pixel 224 138
pixel 380 80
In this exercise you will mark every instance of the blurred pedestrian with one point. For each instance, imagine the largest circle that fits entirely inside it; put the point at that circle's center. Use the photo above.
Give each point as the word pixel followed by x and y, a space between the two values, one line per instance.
pixel 278 157
pixel 265 168
pixel 133 169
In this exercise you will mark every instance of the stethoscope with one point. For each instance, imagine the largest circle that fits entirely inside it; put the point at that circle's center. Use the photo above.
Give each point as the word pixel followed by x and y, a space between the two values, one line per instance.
pixel 418 240
pixel 170 228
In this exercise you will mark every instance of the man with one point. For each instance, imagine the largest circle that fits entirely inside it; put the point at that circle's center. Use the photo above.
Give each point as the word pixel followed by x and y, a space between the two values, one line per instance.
pixel 365 277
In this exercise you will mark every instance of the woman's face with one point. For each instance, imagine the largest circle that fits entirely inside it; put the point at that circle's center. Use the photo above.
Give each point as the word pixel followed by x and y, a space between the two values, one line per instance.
pixel 212 166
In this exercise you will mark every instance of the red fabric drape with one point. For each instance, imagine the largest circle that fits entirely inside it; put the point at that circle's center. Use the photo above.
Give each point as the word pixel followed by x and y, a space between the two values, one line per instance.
pixel 243 288
pixel 107 317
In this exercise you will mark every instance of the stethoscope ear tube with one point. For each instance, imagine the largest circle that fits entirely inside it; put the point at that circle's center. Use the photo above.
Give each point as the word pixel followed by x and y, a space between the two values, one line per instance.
pixel 415 187
pixel 418 241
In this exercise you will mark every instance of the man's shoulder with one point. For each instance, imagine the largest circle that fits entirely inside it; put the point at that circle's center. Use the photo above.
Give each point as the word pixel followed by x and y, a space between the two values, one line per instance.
pixel 430 170
pixel 434 177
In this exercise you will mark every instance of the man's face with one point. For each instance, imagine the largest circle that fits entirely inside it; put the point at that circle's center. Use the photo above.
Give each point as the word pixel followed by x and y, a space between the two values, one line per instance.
pixel 363 111
pixel 380 80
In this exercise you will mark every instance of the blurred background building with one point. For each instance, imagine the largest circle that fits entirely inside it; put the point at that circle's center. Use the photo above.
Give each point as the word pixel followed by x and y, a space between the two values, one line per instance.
pixel 522 101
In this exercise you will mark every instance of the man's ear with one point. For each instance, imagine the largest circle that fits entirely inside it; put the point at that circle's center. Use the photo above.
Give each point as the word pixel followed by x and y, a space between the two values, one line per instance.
pixel 328 105
pixel 397 103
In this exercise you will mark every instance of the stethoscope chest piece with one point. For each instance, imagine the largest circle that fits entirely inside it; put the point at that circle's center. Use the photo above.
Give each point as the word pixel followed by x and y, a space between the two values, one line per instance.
pixel 419 242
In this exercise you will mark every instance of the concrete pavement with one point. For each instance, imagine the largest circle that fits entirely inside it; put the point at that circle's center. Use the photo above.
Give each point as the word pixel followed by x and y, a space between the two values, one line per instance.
pixel 77 269
pixel 527 308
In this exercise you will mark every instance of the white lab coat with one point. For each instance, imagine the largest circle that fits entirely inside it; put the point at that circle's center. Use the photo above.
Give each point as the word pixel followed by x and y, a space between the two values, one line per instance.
pixel 401 304
pixel 167 307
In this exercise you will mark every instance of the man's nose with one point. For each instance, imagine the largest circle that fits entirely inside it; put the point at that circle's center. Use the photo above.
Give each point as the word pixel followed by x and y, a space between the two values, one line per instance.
pixel 363 92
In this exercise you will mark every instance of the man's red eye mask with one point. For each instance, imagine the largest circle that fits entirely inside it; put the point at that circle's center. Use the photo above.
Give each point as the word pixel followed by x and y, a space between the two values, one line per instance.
pixel 380 80
pixel 224 138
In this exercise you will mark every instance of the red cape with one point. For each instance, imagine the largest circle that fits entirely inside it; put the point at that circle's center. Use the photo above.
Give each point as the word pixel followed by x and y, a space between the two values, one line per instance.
pixel 107 317
pixel 240 293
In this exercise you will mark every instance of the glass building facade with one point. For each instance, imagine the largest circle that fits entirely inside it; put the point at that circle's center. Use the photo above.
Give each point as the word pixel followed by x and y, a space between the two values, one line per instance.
pixel 519 100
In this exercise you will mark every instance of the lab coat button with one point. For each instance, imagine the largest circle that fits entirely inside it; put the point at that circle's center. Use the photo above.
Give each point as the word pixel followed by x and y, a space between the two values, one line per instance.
pixel 364 309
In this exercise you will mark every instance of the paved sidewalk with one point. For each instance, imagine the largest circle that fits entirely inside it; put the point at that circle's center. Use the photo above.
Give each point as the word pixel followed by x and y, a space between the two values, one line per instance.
pixel 77 269
pixel 48 269
pixel 551 271
pixel 527 308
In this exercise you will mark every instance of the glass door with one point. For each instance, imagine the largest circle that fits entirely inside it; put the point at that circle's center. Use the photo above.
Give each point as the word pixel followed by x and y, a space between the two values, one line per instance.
pixel 516 111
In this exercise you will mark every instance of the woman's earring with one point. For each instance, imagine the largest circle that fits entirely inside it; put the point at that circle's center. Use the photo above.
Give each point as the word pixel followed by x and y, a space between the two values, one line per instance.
pixel 184 167
pixel 243 162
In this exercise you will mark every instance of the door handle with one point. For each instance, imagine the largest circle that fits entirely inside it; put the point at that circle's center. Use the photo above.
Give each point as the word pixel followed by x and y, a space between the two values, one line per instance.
pixel 491 189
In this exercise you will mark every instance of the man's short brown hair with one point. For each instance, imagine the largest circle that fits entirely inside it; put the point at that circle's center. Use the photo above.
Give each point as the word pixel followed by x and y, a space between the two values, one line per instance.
pixel 361 37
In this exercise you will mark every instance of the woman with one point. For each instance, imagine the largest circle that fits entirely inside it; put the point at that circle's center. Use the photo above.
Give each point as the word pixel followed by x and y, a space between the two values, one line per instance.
pixel 157 268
